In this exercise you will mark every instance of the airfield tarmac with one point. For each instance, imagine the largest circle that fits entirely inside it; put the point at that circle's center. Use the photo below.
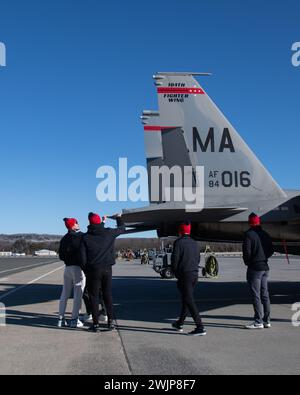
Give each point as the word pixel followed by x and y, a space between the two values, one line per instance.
pixel 145 306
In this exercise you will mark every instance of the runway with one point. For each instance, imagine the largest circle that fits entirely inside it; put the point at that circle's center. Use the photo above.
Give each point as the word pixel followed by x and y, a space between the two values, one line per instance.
pixel 10 266
pixel 145 307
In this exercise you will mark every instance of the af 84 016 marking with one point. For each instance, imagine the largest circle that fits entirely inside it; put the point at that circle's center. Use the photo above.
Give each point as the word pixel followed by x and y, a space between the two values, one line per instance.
pixel 229 179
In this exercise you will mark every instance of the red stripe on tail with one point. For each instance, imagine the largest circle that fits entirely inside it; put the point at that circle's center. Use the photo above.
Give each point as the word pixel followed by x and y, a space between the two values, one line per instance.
pixel 181 91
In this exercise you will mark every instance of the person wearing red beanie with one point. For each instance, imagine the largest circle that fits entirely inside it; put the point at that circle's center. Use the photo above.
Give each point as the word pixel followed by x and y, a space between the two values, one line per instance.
pixel 254 220
pixel 257 249
pixel 98 257
pixel 95 219
pixel 74 278
pixel 71 224
pixel 185 266
pixel 185 229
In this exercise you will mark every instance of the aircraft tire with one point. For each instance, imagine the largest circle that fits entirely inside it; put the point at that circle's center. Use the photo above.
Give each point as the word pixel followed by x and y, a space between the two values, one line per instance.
pixel 168 274
pixel 212 266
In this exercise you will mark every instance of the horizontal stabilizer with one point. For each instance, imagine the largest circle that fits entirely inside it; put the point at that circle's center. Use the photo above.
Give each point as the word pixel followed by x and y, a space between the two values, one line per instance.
pixel 163 213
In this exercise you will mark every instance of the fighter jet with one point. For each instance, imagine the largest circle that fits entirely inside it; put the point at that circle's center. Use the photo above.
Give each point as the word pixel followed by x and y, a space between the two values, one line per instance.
pixel 190 132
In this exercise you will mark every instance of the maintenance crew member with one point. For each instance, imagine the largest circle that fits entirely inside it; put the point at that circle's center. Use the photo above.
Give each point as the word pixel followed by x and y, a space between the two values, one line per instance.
pixel 86 298
pixel 185 265
pixel 257 249
pixel 74 278
pixel 98 257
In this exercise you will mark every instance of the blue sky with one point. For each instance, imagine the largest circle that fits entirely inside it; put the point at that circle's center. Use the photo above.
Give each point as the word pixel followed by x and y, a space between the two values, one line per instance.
pixel 79 74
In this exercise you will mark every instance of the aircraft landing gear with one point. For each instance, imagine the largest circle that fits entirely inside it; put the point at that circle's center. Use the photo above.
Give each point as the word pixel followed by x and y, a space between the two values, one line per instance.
pixel 211 268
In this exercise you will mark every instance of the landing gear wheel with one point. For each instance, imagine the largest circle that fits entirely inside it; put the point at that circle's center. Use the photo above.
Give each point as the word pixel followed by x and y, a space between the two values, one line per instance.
pixel 167 274
pixel 212 266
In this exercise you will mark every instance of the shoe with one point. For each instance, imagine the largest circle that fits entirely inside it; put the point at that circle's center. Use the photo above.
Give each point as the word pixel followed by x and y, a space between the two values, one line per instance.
pixel 103 318
pixel 255 326
pixel 198 332
pixel 178 327
pixel 75 324
pixel 94 328
pixel 111 326
pixel 62 323
pixel 86 317
pixel 267 325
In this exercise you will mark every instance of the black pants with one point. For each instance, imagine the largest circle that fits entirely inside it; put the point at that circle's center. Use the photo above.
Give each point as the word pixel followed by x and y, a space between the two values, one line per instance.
pixel 186 285
pixel 88 305
pixel 100 279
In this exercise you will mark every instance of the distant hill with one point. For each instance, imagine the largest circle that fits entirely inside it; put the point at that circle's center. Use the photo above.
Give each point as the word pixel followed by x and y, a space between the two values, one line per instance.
pixel 29 243
pixel 34 238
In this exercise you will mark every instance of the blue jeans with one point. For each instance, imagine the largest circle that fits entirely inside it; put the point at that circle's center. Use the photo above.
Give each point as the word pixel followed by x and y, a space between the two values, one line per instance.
pixel 259 288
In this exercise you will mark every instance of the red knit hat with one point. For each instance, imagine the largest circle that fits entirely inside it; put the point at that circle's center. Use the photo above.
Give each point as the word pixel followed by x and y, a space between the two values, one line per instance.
pixel 185 228
pixel 70 223
pixel 254 220
pixel 95 219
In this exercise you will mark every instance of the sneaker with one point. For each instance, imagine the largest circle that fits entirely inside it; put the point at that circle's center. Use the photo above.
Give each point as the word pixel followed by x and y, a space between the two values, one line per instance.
pixel 94 328
pixel 198 332
pixel 267 325
pixel 103 318
pixel 62 323
pixel 111 326
pixel 86 318
pixel 75 324
pixel 178 327
pixel 255 326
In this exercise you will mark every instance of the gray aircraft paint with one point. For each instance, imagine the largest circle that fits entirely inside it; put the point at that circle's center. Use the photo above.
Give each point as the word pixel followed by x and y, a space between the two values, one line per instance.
pixel 208 139
pixel 197 111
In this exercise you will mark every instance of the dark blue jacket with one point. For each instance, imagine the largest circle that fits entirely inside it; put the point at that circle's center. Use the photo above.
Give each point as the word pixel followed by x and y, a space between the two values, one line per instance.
pixel 69 250
pixel 257 249
pixel 186 256
pixel 98 246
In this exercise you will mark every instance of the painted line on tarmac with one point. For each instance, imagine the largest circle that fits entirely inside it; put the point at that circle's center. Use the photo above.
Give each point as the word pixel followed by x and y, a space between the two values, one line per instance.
pixel 27 267
pixel 30 283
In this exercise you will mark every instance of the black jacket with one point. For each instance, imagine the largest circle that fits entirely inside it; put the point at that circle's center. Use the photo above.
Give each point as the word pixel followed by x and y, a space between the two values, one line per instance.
pixel 98 246
pixel 69 250
pixel 186 256
pixel 257 249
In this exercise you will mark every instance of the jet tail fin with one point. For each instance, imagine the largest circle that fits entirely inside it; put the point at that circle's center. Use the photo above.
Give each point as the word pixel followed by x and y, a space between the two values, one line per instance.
pixel 190 130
